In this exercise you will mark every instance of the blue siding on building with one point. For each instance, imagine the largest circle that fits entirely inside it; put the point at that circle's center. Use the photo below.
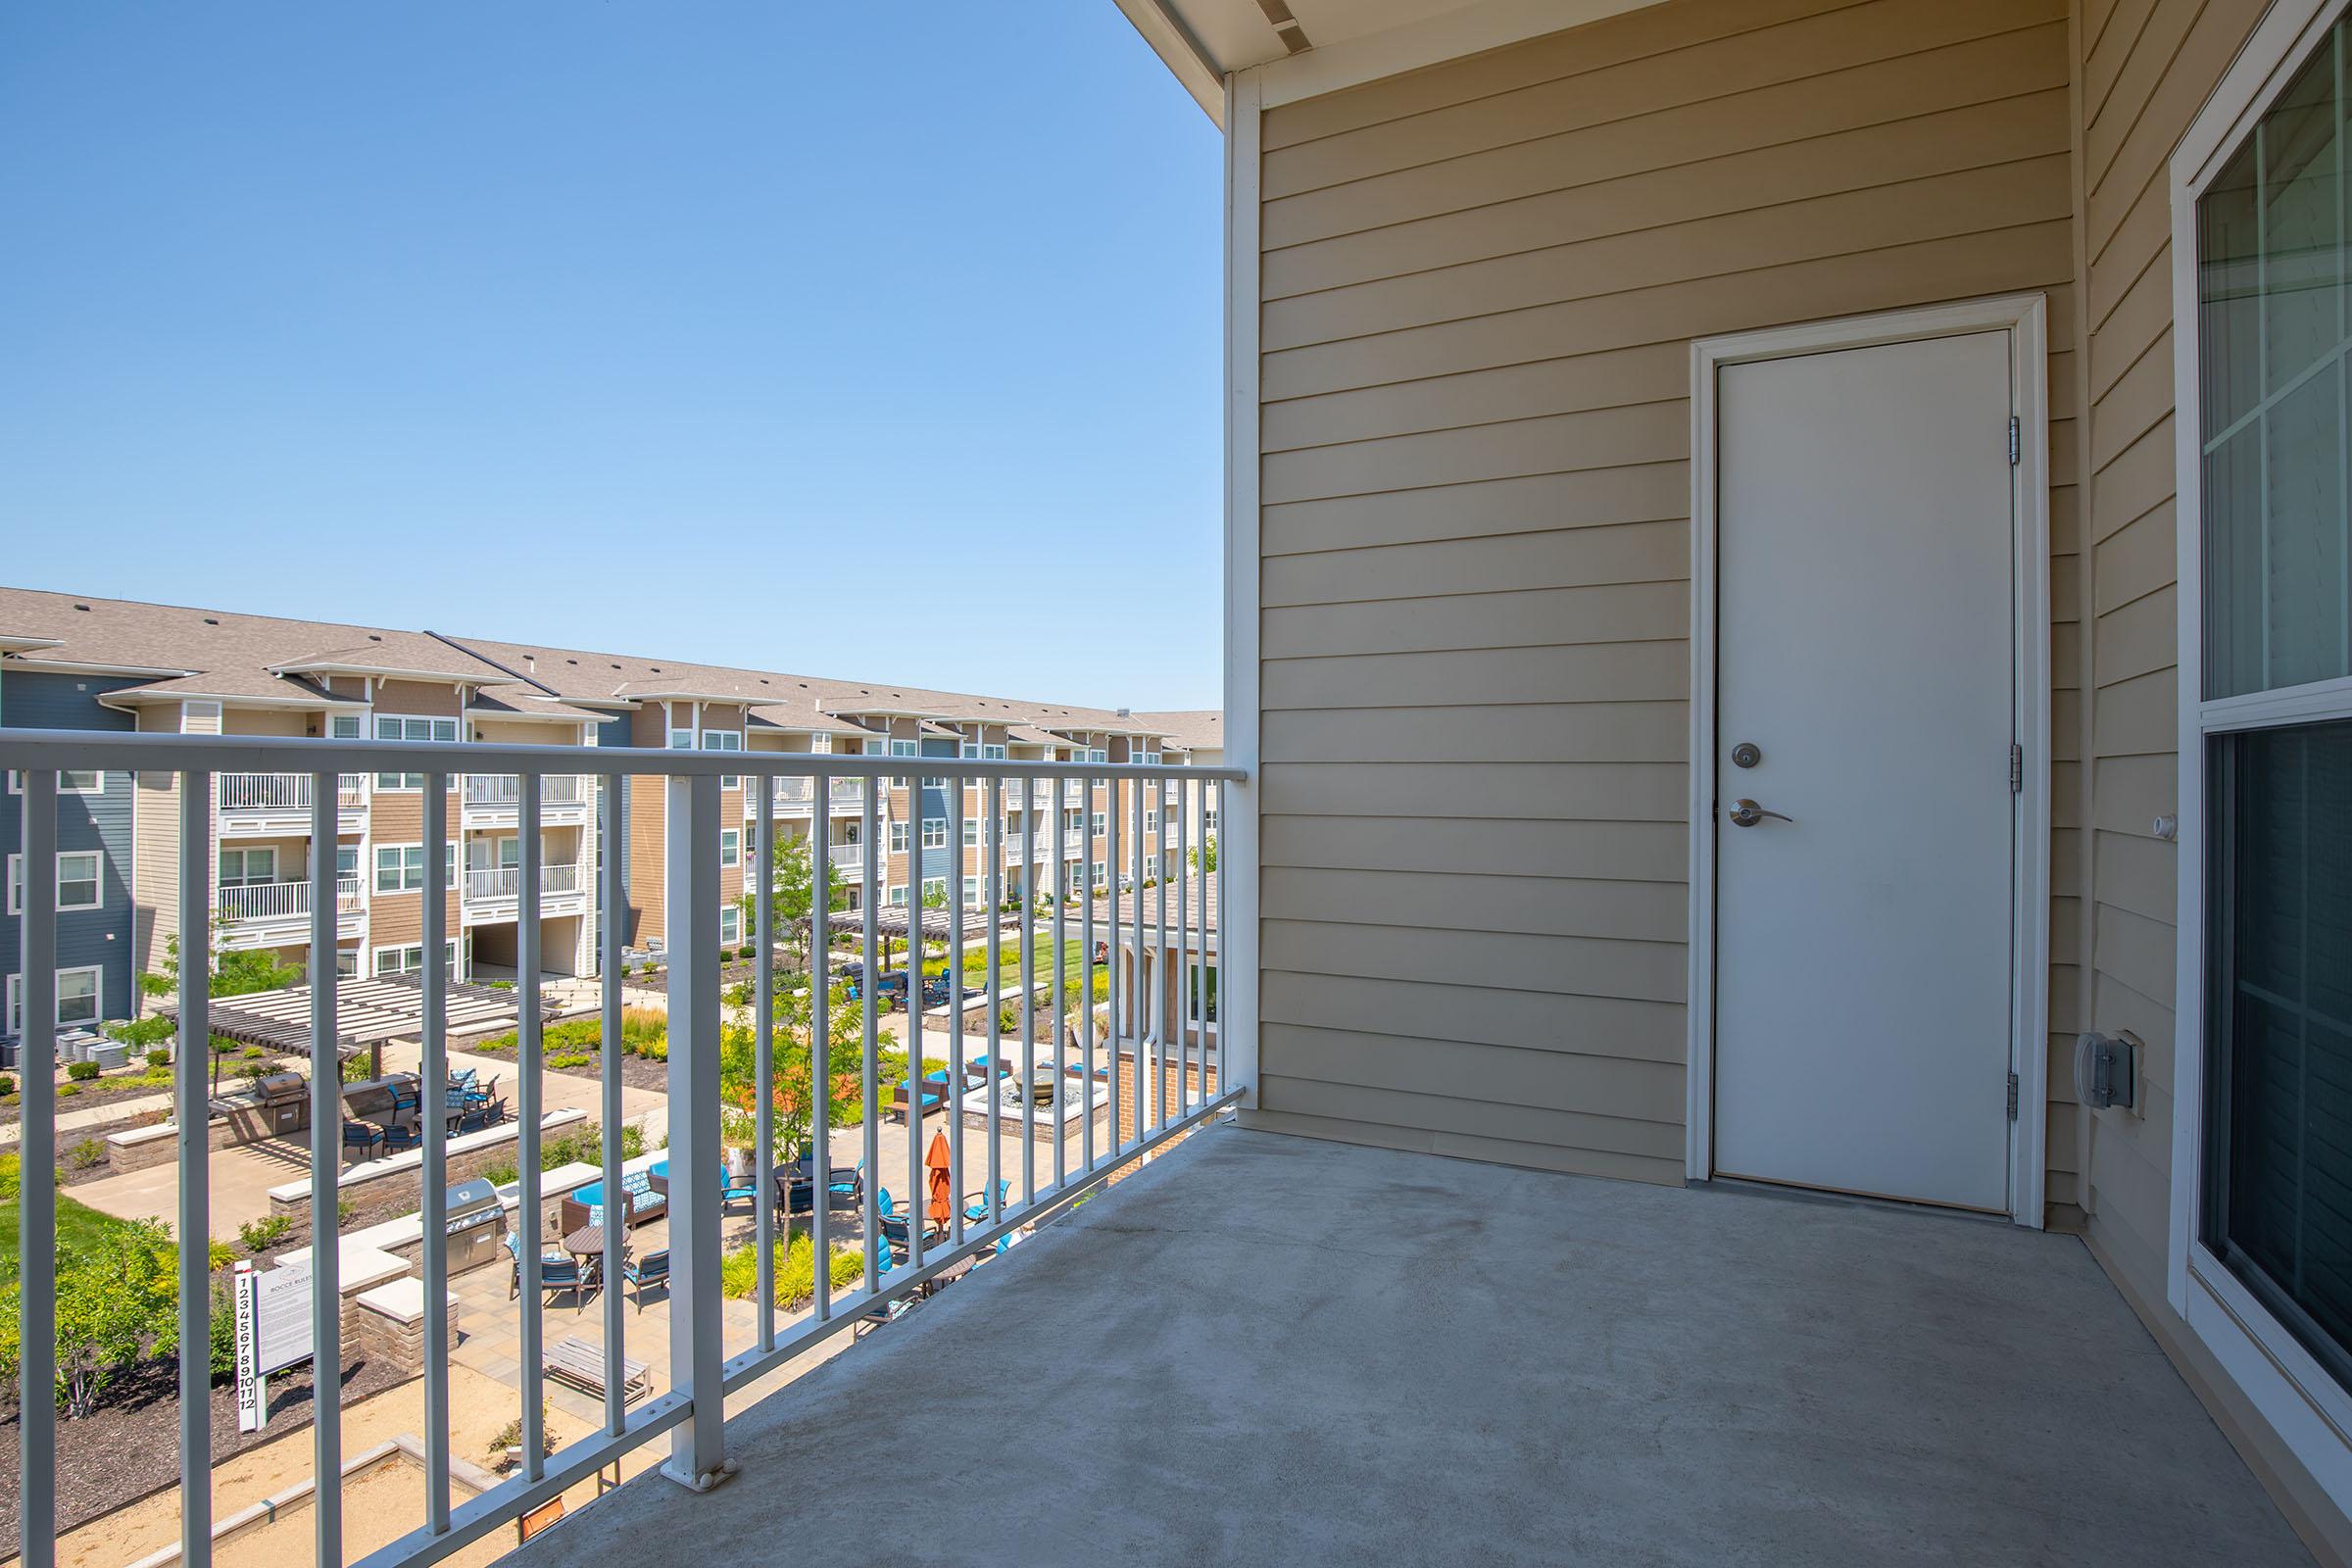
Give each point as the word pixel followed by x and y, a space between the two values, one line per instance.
pixel 939 806
pixel 33 699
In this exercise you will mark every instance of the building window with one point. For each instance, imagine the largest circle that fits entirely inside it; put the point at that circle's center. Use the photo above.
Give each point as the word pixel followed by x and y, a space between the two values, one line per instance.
pixel 993 753
pixel 16 884
pixel 343 727
pixel 897 898
pixel 1100 823
pixel 347 963
pixel 398 868
pixel 77 1000
pixel 1102 873
pixel 971 832
pixel 2274 261
pixel 935 832
pixel 935 890
pixel 898 838
pixel 77 884
pixel 241 868
pixel 971 892
pixel 410 959
pixel 724 740
pixel 730 846
pixel 390 729
pixel 70 781
pixel 1151 821
pixel 730 924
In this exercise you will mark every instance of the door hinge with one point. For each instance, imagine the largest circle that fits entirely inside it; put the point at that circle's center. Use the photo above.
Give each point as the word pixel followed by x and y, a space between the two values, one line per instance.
pixel 2013 1097
pixel 2014 436
pixel 2017 768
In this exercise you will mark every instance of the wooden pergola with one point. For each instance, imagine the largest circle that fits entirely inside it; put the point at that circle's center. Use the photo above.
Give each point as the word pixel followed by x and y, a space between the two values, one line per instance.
pixel 368 1014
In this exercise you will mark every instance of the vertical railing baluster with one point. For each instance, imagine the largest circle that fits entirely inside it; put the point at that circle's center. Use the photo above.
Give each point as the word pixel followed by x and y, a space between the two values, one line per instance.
pixel 1112 949
pixel 995 838
pixel 191 1111
pixel 820 1041
pixel 1086 968
pixel 916 1196
pixel 1223 813
pixel 1140 1003
pixel 764 1048
pixel 951 1100
pixel 608 1055
pixel 326 1162
pixel 435 1172
pixel 36 1201
pixel 1184 950
pixel 697 1354
pixel 1062 964
pixel 869 1164
pixel 1162 992
pixel 1028 992
pixel 528 1045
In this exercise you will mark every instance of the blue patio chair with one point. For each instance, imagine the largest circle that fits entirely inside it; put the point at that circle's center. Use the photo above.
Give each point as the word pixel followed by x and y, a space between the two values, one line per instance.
pixel 363 1136
pixel 640 1272
pixel 558 1271
pixel 976 1212
pixel 742 1190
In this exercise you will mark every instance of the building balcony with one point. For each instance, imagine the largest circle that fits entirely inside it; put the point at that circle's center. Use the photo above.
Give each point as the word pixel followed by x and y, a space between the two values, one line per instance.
pixel 793 797
pixel 1270 1349
pixel 848 862
pixel 846 794
pixel 279 804
pixel 491 895
pixel 261 914
pixel 495 799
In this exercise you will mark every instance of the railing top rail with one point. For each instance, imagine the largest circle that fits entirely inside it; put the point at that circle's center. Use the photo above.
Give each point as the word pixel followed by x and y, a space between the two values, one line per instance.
pixel 59 749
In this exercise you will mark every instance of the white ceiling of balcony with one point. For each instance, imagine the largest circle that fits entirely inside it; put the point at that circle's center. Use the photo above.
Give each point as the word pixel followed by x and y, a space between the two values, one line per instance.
pixel 1322 45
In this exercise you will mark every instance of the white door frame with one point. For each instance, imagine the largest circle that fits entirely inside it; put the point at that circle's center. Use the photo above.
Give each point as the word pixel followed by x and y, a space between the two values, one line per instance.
pixel 2023 317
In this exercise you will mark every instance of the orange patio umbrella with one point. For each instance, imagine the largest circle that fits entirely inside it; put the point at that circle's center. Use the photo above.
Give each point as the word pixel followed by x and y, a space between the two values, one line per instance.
pixel 941 1204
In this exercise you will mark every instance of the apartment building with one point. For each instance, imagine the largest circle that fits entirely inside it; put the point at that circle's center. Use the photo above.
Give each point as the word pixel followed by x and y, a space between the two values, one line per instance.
pixel 94 664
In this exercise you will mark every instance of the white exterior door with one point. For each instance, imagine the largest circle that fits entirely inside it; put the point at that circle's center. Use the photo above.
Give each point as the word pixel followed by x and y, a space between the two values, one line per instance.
pixel 1865 651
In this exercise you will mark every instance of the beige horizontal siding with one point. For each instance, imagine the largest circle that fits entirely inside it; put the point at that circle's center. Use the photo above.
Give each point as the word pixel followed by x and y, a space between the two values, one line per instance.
pixel 2148 66
pixel 1479 287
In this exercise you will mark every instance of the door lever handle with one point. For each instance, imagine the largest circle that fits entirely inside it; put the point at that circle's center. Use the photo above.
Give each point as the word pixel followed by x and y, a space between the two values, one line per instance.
pixel 1747 814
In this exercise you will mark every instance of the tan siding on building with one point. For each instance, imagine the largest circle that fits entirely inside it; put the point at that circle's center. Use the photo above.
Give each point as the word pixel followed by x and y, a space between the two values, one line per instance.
pixel 2148 68
pixel 1479 283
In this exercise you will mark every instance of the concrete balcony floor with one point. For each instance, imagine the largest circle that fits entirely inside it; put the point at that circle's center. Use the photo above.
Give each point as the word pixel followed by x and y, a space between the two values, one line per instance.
pixel 1265 1349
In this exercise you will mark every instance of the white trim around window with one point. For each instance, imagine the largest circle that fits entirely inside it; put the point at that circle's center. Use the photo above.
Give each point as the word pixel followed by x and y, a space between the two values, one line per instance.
pixel 80 999
pixel 2303 1403
pixel 73 869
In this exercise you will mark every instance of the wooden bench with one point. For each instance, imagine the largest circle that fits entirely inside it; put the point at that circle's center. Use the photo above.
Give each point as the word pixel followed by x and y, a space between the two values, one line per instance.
pixel 581 1363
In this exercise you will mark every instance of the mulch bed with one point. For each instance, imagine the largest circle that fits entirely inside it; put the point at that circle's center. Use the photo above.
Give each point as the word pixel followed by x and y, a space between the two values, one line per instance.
pixel 637 1072
pixel 96 1092
pixel 129 1447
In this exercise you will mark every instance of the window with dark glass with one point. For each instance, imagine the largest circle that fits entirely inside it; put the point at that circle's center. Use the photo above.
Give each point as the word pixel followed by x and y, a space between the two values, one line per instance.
pixel 2274 325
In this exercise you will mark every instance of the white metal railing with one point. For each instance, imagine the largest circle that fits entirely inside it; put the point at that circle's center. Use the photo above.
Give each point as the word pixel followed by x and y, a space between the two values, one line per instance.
pixel 265 901
pixel 350 895
pixel 505 789
pixel 264 792
pixel 485 882
pixel 1084 1101
pixel 791 795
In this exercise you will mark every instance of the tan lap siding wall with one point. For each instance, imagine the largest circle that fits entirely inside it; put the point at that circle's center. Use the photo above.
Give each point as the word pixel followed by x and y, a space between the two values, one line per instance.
pixel 1479 283
pixel 2148 68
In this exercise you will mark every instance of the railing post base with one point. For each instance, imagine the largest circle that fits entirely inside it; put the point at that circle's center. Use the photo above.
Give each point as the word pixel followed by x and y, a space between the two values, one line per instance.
pixel 707 1481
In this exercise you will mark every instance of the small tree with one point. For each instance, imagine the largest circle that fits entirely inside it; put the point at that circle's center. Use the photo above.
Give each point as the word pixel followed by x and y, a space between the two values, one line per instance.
pixel 118 1303
pixel 793 1092
pixel 1203 855
pixel 792 887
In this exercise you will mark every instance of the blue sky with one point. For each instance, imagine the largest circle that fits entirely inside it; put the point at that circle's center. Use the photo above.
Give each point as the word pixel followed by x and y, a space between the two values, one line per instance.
pixel 847 340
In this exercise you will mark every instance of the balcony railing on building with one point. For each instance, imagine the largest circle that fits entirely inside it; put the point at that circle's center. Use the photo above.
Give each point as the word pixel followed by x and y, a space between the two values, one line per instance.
pixel 284 792
pixel 1132 1075
pixel 793 797
pixel 505 789
pixel 255 901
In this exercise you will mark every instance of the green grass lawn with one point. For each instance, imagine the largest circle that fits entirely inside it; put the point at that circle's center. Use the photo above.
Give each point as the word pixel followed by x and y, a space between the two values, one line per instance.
pixel 77 1224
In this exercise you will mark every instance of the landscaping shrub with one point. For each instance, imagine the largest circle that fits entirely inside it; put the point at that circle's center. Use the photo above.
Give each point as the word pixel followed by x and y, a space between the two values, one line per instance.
pixel 795 1271
pixel 509 1436
pixel 575 1058
pixel 117 1303
pixel 81 1072
pixel 250 1052
pixel 87 1154
pixel 159 1059
pixel 7 1084
pixel 258 1236
pixel 583 1145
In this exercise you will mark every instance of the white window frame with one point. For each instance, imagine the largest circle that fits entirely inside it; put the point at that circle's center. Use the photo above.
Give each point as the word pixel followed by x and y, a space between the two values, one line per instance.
pixel 11 1024
pixel 730 925
pixel 96 879
pixel 245 853
pixel 895 898
pixel 898 836
pixel 935 832
pixel 730 846
pixel 934 883
pixel 401 722
pixel 971 892
pixel 2287 1386
pixel 725 740
pixel 1099 823
pixel 66 781
pixel 402 868
pixel 971 832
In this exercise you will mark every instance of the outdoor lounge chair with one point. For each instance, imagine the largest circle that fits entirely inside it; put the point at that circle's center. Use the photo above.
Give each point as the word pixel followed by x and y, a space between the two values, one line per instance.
pixel 742 1190
pixel 639 1272
pixel 366 1137
pixel 558 1271
pixel 976 1205
pixel 574 1215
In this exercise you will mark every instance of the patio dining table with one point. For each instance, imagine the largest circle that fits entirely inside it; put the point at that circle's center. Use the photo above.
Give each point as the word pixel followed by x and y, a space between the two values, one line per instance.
pixel 587 1247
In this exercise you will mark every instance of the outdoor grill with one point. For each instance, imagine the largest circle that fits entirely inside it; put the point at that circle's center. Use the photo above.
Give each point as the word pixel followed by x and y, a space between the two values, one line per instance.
pixel 285 1100
pixel 474 1223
